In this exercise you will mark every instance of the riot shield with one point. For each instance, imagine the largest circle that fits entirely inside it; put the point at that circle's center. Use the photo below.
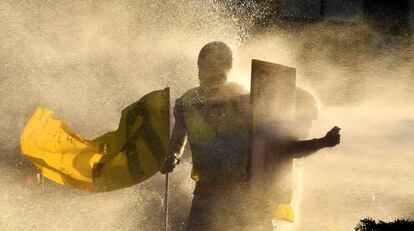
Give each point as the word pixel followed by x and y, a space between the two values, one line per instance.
pixel 273 107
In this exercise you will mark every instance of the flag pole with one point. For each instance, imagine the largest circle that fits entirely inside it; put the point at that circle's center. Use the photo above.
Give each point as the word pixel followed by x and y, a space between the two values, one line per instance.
pixel 167 184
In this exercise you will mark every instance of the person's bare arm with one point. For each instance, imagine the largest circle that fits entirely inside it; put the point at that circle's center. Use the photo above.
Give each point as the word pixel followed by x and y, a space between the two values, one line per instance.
pixel 302 148
pixel 178 139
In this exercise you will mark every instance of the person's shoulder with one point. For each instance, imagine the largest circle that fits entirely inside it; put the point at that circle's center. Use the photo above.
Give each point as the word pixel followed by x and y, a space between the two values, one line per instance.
pixel 238 92
pixel 191 91
pixel 188 95
pixel 236 89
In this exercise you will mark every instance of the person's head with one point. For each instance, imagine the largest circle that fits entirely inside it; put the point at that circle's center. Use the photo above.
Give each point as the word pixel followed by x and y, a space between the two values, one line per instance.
pixel 214 62
pixel 307 111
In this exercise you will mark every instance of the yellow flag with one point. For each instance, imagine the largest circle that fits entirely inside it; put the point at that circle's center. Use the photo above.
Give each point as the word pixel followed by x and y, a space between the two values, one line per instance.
pixel 118 159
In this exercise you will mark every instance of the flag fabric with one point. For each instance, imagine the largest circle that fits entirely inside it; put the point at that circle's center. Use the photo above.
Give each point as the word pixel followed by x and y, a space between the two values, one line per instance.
pixel 117 159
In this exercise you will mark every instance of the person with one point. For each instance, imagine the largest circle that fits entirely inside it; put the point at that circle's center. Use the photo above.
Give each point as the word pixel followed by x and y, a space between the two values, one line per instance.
pixel 307 111
pixel 215 119
pixel 283 186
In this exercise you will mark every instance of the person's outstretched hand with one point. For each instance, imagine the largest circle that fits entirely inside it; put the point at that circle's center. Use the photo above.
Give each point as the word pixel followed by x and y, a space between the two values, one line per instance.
pixel 332 138
pixel 169 164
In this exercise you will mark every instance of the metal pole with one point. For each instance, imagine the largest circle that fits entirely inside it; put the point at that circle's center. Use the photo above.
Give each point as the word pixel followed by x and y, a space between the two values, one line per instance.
pixel 39 179
pixel 43 183
pixel 167 185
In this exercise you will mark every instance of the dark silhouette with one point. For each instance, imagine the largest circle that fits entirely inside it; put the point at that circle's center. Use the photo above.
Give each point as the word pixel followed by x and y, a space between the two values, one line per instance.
pixel 368 224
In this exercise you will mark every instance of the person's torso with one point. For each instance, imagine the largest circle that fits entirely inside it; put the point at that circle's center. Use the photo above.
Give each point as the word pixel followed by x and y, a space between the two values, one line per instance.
pixel 218 133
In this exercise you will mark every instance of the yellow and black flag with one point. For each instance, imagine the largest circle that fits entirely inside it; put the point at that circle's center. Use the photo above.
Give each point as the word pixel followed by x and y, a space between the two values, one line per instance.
pixel 118 159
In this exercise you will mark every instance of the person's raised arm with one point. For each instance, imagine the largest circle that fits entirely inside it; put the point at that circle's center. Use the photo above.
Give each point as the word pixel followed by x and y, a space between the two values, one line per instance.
pixel 178 139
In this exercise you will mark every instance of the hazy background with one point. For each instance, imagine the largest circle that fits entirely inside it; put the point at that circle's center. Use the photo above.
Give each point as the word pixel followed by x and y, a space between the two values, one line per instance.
pixel 87 60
